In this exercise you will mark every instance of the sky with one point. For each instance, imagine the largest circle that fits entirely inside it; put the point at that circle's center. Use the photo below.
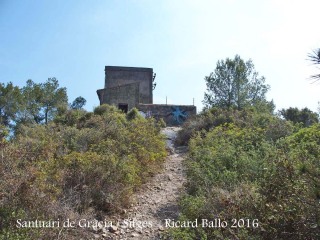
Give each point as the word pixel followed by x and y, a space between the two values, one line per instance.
pixel 182 40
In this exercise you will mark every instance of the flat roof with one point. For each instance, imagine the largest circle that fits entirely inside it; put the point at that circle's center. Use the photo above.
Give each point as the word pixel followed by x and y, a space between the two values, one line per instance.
pixel 122 68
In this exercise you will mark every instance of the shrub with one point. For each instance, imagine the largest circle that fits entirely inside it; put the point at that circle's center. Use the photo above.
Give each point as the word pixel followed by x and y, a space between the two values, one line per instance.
pixel 82 164
pixel 71 117
pixel 228 155
pixel 254 167
pixel 162 123
pixel 133 114
pixel 274 127
pixel 105 108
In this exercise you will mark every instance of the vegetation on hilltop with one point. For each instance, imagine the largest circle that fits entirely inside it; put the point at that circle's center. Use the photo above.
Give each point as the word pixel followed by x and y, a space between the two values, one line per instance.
pixel 74 164
pixel 253 174
pixel 248 165
pixel 235 83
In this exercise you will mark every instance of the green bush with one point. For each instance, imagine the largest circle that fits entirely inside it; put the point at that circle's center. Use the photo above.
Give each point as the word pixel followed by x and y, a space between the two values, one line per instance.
pixel 81 164
pixel 105 108
pixel 228 155
pixel 133 114
pixel 274 127
pixel 251 166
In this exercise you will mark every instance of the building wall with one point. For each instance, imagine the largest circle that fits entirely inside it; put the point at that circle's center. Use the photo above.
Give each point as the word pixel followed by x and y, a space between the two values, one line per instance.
pixel 120 76
pixel 173 115
pixel 133 86
pixel 127 94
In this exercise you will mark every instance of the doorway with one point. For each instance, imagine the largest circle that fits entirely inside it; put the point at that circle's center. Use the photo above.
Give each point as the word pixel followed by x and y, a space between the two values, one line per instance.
pixel 123 107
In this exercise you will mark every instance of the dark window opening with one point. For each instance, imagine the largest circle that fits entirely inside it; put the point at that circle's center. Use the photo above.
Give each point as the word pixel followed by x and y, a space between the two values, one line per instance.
pixel 123 107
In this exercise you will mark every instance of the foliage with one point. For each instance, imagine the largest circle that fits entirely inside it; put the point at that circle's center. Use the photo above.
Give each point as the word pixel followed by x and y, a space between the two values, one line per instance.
pixel 81 165
pixel 234 83
pixel 45 99
pixel 10 99
pixel 251 166
pixel 78 103
pixel 133 114
pixel 162 123
pixel 72 117
pixel 314 57
pixel 274 127
pixel 34 103
pixel 105 108
pixel 304 116
pixel 4 133
pixel 305 146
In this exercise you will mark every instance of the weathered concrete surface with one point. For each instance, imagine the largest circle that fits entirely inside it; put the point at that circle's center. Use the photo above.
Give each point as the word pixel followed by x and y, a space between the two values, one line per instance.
pixel 119 76
pixel 132 87
pixel 120 79
pixel 173 115
pixel 126 94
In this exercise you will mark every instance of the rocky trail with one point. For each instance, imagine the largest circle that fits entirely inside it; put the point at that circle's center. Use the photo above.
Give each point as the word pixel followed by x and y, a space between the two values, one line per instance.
pixel 156 201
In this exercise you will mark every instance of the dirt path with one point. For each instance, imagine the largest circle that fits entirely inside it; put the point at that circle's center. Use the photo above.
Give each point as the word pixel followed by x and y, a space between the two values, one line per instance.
pixel 156 201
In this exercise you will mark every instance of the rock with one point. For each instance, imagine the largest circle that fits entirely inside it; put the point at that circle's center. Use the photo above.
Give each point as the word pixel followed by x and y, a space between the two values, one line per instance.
pixel 113 229
pixel 134 234
pixel 123 226
pixel 96 236
pixel 181 149
pixel 96 229
pixel 161 228
pixel 170 150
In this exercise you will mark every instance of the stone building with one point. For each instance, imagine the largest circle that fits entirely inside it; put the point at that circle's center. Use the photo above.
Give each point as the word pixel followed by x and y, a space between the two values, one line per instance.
pixel 126 87
pixel 129 87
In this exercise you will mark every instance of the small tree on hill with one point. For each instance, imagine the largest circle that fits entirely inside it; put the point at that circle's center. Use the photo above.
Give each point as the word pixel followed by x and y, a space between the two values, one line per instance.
pixel 41 101
pixel 234 83
pixel 10 100
pixel 78 103
pixel 304 116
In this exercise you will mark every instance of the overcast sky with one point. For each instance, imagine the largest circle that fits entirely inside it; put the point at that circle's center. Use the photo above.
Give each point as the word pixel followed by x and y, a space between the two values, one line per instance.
pixel 182 41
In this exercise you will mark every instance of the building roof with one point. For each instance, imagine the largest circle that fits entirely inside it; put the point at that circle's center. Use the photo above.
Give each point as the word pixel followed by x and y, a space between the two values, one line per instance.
pixel 122 68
